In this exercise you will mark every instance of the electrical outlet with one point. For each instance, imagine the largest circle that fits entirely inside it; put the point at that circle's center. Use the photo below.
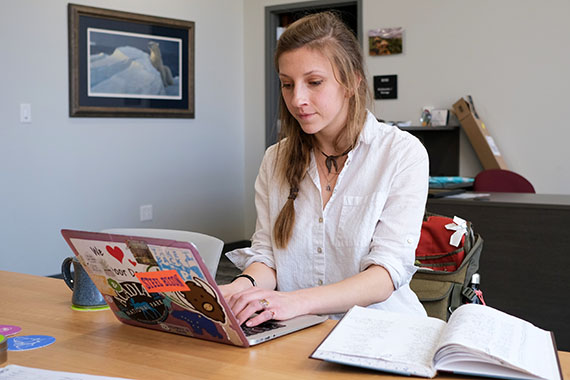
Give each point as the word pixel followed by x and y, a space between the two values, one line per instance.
pixel 146 213
pixel 25 113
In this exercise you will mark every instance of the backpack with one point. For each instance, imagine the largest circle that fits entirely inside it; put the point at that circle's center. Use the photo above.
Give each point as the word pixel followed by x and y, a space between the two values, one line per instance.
pixel 444 274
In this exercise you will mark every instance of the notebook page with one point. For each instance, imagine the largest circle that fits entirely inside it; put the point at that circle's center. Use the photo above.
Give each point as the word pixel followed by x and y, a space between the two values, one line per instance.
pixel 387 337
pixel 511 340
pixel 16 372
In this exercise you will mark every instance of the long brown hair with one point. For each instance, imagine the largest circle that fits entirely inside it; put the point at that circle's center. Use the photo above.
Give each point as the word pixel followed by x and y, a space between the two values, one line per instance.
pixel 326 33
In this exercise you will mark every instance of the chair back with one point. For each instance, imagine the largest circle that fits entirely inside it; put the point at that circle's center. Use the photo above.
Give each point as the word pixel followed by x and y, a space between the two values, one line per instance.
pixel 501 180
pixel 209 247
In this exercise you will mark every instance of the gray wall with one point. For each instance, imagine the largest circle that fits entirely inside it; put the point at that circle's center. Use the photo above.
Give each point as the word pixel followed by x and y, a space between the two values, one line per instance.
pixel 512 56
pixel 94 173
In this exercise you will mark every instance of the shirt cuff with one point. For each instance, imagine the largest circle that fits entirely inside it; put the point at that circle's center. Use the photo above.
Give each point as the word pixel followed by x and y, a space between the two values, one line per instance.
pixel 400 273
pixel 244 257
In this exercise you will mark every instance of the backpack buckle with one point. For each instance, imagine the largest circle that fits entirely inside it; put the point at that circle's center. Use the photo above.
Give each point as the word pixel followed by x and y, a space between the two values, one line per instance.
pixel 468 293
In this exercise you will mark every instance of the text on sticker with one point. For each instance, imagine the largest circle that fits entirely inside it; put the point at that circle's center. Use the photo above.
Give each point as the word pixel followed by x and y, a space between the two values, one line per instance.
pixel 162 281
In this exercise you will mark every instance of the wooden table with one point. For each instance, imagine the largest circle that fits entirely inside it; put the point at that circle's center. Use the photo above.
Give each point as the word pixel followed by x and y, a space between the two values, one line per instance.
pixel 526 254
pixel 96 343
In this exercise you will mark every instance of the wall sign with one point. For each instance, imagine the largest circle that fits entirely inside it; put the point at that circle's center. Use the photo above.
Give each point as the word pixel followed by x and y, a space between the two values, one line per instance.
pixel 385 87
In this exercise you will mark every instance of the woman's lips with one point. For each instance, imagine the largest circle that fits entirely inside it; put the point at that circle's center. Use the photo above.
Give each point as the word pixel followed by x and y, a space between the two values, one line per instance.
pixel 305 116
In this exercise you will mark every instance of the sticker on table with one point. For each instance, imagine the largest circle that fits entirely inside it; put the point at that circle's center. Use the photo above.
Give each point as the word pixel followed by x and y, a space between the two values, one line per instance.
pixel 8 330
pixel 29 342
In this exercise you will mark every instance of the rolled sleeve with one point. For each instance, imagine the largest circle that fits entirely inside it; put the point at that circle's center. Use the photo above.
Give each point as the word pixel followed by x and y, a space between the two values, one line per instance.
pixel 244 257
pixel 398 231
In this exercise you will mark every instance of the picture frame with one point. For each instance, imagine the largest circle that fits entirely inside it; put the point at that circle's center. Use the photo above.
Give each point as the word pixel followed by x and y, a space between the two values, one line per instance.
pixel 123 64
pixel 385 41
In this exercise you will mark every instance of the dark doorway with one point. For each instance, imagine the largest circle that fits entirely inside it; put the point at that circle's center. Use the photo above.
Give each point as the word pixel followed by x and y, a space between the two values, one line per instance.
pixel 281 16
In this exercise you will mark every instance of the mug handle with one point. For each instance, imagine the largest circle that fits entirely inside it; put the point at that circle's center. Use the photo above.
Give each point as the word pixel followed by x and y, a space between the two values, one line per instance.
pixel 66 272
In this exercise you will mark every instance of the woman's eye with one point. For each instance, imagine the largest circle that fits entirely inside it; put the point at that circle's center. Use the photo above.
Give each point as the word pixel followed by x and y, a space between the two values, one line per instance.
pixel 286 85
pixel 315 82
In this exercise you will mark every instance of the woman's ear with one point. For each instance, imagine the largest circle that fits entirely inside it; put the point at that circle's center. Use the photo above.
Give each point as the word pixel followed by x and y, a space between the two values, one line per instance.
pixel 350 92
pixel 358 80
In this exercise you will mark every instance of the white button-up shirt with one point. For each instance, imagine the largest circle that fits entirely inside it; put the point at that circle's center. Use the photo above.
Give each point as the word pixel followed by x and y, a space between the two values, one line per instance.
pixel 374 216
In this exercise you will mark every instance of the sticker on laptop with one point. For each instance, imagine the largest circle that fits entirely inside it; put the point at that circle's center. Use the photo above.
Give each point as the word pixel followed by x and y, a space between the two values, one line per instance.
pixel 137 304
pixel 180 259
pixel 141 252
pixel 110 259
pixel 162 281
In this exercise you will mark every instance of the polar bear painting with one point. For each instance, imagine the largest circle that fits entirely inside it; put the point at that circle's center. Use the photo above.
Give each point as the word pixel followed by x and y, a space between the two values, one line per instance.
pixel 156 60
pixel 126 66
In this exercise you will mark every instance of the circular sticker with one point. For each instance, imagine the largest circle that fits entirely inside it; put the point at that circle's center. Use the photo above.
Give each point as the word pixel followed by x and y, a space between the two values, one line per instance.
pixel 8 330
pixel 115 285
pixel 29 342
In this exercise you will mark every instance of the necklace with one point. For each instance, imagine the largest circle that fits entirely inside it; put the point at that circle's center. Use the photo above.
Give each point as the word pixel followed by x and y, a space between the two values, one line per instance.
pixel 329 178
pixel 330 161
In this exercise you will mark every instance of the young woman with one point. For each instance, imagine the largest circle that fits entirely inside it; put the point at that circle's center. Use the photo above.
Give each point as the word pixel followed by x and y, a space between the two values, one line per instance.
pixel 340 197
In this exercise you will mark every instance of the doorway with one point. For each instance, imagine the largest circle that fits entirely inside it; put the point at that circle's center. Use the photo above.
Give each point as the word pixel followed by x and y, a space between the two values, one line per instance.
pixel 280 16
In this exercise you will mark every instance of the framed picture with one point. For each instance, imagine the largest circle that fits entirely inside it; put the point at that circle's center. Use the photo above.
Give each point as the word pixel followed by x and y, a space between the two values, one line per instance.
pixel 385 41
pixel 129 65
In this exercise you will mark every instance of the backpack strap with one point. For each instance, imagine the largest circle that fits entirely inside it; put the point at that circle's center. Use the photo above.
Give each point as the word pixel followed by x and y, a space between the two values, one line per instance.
pixel 456 300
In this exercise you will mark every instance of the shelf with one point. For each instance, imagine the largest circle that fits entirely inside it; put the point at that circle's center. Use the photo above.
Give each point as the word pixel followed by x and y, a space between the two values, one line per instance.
pixel 428 129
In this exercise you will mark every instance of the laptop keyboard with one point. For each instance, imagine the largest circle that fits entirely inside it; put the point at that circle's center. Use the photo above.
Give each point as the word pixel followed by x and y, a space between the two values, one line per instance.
pixel 262 327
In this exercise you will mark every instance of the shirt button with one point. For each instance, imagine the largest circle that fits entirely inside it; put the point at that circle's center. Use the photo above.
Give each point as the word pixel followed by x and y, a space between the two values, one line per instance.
pixel 320 220
pixel 410 241
pixel 319 250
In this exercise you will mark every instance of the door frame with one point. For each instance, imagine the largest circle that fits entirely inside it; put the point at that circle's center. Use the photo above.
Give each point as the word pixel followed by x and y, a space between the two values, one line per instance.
pixel 272 14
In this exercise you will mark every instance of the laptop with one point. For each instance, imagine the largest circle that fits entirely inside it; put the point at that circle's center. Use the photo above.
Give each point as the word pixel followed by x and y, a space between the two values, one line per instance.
pixel 164 285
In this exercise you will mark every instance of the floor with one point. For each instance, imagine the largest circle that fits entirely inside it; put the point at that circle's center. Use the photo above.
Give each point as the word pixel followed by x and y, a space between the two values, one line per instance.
pixel 226 271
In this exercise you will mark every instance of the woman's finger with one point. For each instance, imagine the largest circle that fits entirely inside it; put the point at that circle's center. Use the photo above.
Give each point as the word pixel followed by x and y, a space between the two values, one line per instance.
pixel 264 316
pixel 250 309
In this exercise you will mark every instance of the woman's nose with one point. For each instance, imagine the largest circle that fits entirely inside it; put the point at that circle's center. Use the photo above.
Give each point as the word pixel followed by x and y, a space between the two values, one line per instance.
pixel 299 96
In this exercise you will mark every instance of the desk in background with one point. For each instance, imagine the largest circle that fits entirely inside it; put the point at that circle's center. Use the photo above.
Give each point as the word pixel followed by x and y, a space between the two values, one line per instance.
pixel 96 343
pixel 525 262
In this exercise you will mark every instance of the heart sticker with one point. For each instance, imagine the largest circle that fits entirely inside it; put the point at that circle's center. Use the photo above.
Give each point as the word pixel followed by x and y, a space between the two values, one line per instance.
pixel 116 253
pixel 134 263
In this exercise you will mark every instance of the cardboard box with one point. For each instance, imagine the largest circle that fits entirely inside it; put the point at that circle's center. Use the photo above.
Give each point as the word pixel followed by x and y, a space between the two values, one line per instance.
pixel 482 142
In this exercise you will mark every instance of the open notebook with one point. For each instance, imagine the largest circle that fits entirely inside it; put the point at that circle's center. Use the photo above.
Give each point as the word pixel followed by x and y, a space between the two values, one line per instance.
pixel 164 285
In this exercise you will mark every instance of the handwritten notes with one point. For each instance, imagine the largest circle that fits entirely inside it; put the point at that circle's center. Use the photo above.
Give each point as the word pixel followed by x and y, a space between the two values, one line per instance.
pixel 362 336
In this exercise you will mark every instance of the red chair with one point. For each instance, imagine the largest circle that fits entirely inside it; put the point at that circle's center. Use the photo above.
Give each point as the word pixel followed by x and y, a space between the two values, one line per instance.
pixel 500 180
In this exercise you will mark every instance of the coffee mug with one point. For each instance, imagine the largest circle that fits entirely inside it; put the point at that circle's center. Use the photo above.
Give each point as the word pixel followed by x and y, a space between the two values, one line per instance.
pixel 85 293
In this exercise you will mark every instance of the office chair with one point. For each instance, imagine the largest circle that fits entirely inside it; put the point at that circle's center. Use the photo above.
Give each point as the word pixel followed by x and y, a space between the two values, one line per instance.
pixel 209 247
pixel 501 180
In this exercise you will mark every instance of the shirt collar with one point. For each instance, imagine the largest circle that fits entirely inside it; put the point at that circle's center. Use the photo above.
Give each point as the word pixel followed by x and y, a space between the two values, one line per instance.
pixel 367 134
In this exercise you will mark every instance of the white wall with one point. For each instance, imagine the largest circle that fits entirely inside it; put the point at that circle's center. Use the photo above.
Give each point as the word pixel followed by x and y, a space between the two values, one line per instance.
pixel 512 56
pixel 94 173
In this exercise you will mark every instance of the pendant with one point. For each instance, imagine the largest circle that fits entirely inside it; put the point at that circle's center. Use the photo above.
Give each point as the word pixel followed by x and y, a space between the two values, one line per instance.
pixel 329 188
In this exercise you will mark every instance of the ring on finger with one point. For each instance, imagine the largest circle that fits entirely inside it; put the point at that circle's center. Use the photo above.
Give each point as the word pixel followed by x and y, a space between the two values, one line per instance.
pixel 272 314
pixel 264 303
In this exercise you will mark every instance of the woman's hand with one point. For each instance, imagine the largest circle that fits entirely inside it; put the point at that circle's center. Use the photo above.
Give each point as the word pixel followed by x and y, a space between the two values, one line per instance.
pixel 268 304
pixel 237 285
